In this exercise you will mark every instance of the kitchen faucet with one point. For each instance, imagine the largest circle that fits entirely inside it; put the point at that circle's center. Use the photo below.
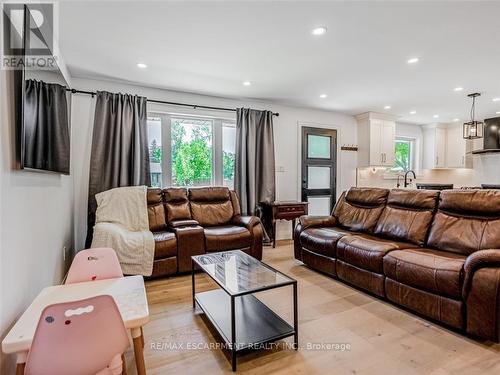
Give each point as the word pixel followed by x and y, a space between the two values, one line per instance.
pixel 408 182
pixel 398 184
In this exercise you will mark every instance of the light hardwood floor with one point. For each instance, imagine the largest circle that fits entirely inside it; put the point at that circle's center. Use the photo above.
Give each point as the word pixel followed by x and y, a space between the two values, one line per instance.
pixel 383 339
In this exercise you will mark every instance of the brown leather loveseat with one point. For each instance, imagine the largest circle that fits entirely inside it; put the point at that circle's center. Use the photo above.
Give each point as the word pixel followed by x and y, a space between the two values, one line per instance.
pixel 197 221
pixel 436 253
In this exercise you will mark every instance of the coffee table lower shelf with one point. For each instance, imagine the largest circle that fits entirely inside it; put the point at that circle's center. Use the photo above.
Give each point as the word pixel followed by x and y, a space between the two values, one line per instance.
pixel 255 323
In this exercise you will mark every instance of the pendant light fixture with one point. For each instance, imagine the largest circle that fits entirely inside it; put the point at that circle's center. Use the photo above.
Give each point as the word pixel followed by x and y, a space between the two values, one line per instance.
pixel 473 129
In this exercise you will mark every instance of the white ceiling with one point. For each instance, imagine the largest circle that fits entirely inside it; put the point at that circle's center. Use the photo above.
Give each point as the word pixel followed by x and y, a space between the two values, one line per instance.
pixel 360 63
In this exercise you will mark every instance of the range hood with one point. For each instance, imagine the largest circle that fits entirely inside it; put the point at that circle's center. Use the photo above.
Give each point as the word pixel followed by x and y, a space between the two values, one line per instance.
pixel 491 140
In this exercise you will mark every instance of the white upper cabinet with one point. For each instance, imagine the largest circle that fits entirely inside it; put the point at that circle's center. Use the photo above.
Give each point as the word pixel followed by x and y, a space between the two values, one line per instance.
pixel 434 146
pixel 456 148
pixel 376 136
pixel 444 147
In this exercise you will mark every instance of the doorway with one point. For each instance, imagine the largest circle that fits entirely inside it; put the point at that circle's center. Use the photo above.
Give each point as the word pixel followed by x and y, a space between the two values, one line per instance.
pixel 319 169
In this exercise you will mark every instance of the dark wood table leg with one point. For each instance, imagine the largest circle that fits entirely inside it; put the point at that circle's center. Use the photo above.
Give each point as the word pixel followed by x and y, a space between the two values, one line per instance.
pixel 138 351
pixel 124 365
pixel 20 368
pixel 274 234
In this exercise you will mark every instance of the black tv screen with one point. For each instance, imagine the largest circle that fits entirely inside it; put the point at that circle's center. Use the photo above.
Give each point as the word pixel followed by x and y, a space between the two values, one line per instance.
pixel 45 125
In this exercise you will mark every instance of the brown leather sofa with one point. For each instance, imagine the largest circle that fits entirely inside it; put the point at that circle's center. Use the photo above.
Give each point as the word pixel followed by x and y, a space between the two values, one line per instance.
pixel 198 221
pixel 436 253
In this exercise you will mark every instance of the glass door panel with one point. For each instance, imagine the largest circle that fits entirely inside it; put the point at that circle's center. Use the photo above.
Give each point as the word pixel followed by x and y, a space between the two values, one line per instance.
pixel 319 206
pixel 318 146
pixel 318 177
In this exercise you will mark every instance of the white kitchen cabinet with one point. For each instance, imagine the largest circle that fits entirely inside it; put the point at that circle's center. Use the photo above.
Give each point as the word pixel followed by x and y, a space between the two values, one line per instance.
pixel 456 148
pixel 444 147
pixel 434 146
pixel 376 137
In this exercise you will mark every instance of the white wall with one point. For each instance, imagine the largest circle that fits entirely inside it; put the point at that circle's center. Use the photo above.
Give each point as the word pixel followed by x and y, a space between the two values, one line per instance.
pixel 36 222
pixel 286 136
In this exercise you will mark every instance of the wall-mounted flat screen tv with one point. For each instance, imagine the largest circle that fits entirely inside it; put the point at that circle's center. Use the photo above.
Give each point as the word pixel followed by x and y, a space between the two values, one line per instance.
pixel 45 124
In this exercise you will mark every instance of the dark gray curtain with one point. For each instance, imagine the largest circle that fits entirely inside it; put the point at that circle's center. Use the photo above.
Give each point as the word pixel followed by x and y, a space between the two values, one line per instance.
pixel 46 127
pixel 120 154
pixel 254 178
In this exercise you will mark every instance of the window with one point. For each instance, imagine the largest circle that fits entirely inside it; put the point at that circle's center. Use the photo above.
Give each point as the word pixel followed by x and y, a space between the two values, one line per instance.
pixel 155 156
pixel 191 151
pixel 403 156
pixel 228 154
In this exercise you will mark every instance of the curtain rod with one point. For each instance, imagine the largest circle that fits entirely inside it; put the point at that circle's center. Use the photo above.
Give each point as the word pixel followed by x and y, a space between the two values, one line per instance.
pixel 194 106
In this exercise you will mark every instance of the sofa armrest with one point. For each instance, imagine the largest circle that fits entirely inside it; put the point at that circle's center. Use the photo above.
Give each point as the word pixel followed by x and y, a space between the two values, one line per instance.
pixel 317 221
pixel 475 261
pixel 246 221
pixel 190 241
pixel 481 293
pixel 183 223
pixel 254 226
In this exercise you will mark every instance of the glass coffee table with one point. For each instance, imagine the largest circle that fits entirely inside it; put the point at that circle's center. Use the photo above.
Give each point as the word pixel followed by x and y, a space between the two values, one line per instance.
pixel 242 320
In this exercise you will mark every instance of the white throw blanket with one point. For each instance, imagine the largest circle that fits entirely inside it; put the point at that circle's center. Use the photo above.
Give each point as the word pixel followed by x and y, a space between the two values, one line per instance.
pixel 122 224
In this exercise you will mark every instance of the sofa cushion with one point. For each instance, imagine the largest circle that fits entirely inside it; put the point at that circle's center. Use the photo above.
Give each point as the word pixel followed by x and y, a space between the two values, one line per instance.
pixel 322 240
pixel 156 213
pixel 209 194
pixel 177 204
pixel 368 280
pixel 227 237
pixel 407 215
pixel 466 221
pixel 367 252
pixel 211 206
pixel 165 244
pixel 156 217
pixel 360 208
pixel 435 271
pixel 446 310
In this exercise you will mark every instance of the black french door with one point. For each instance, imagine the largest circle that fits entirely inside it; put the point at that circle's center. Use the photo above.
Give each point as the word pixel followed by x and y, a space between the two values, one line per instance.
pixel 319 169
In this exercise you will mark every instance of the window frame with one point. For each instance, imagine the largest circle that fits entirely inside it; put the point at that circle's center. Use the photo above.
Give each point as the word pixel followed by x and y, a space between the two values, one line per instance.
pixel 166 140
pixel 412 161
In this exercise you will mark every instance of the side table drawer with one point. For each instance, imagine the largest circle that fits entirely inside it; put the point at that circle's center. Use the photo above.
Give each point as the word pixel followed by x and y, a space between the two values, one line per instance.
pixel 290 211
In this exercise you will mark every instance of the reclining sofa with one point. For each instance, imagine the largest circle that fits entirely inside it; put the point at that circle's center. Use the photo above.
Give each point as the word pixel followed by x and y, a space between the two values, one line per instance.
pixel 435 253
pixel 198 221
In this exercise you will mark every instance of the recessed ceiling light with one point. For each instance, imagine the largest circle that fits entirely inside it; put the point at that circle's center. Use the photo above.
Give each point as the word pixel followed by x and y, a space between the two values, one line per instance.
pixel 247 83
pixel 458 88
pixel 320 30
pixel 387 107
pixel 496 99
pixel 498 112
pixel 435 116
pixel 413 112
pixel 413 60
pixel 323 96
pixel 456 120
pixel 142 65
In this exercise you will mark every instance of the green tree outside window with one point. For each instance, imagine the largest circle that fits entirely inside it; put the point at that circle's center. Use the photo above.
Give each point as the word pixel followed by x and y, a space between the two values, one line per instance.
pixel 191 157
pixel 402 156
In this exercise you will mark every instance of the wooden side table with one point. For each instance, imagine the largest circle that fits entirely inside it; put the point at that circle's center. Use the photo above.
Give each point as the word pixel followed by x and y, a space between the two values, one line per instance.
pixel 284 210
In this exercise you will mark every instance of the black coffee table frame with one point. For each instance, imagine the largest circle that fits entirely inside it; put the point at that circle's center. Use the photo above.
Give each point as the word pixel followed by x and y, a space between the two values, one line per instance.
pixel 256 323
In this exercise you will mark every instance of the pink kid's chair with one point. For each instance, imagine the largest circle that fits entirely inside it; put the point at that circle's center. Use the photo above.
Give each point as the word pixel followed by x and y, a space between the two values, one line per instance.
pixel 78 338
pixel 99 263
